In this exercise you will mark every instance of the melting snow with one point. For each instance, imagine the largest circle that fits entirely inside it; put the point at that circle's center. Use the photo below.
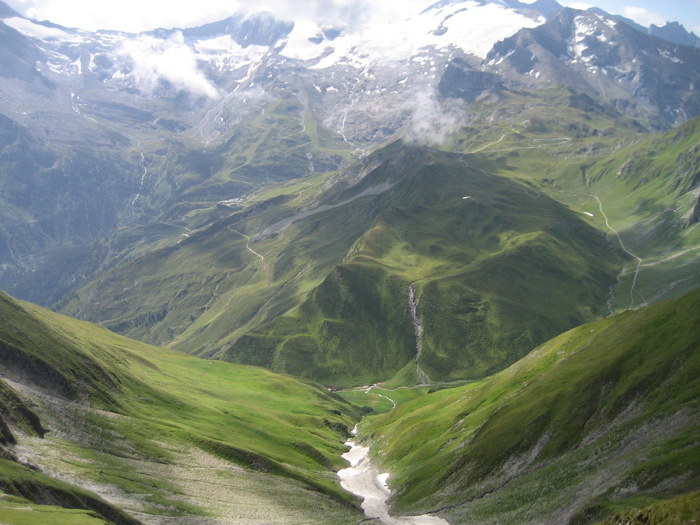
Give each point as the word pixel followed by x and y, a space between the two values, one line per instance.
pixel 298 45
pixel 144 59
pixel 669 56
pixel 585 27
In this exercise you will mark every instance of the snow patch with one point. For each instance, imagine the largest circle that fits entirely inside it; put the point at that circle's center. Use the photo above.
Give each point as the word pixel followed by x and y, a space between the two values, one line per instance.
pixel 664 53
pixel 363 479
pixel 298 44
pixel 470 26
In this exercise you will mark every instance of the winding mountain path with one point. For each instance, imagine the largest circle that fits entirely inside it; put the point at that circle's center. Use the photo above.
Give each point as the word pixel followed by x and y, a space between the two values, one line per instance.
pixel 550 142
pixel 633 288
pixel 368 390
pixel 247 245
pixel 477 150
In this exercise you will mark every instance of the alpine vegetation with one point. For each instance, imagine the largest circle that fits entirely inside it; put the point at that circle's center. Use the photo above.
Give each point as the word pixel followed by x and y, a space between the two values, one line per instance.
pixel 460 236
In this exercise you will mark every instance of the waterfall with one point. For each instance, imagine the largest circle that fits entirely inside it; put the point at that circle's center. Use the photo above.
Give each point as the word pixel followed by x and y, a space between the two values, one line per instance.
pixel 418 327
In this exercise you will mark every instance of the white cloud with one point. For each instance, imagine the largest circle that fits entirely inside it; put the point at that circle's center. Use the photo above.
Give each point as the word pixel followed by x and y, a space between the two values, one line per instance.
pixel 144 15
pixel 642 16
pixel 151 60
pixel 434 120
pixel 126 15
pixel 164 13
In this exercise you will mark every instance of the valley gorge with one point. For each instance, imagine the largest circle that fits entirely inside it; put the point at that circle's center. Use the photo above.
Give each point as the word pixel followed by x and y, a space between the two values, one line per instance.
pixel 468 231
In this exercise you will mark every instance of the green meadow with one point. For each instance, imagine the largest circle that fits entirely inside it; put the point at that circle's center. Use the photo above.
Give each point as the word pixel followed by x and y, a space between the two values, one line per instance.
pixel 120 415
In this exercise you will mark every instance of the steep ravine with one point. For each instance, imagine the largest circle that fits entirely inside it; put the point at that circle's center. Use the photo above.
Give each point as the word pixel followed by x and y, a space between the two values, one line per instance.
pixel 363 479
pixel 418 324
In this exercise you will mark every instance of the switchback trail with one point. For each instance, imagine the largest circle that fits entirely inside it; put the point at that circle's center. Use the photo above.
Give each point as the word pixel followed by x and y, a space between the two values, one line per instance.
pixel 247 245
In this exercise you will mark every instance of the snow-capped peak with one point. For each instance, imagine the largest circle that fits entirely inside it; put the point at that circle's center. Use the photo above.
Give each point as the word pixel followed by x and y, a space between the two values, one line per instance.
pixel 472 26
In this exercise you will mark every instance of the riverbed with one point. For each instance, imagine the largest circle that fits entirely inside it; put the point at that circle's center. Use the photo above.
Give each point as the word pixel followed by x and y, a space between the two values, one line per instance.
pixel 364 480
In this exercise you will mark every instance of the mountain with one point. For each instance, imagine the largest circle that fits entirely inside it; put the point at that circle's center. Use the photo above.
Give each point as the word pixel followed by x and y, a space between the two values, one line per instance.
pixel 675 32
pixel 440 227
pixel 603 58
pixel 153 434
pixel 486 210
pixel 598 419
pixel 474 250
pixel 219 205
pixel 436 279
pixel 167 141
pixel 671 31
pixel 107 130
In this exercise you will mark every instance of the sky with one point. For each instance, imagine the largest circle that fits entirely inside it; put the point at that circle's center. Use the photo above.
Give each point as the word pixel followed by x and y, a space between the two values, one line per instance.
pixel 143 15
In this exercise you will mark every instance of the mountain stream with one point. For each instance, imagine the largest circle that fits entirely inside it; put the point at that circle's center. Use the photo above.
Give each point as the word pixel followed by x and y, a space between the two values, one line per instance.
pixel 363 479
pixel 418 326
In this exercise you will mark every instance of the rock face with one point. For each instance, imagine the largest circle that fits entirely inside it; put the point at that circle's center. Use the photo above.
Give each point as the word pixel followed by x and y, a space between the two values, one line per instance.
pixel 595 54
pixel 695 214
pixel 463 81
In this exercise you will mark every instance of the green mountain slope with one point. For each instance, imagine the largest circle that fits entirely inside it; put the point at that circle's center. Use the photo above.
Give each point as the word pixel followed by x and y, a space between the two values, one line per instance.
pixel 347 252
pixel 586 424
pixel 641 189
pixel 489 250
pixel 159 433
pixel 485 268
pixel 71 197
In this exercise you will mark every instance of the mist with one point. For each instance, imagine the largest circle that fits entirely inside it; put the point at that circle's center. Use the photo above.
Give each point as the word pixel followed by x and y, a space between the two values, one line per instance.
pixel 433 118
pixel 152 60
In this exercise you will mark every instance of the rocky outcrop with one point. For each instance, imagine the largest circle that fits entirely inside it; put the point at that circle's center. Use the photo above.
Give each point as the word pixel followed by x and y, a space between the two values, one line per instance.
pixel 694 217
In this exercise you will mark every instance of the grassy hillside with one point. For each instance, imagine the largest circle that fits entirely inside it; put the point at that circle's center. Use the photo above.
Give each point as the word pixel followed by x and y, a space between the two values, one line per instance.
pixel 98 194
pixel 552 210
pixel 159 433
pixel 677 511
pixel 602 417
pixel 496 269
pixel 340 252
pixel 642 189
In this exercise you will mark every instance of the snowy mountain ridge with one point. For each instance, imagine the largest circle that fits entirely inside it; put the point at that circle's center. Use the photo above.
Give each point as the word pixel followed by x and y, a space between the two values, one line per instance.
pixel 183 57
pixel 365 77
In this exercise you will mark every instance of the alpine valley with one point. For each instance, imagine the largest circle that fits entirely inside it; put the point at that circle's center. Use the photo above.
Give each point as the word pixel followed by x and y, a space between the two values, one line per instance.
pixel 472 231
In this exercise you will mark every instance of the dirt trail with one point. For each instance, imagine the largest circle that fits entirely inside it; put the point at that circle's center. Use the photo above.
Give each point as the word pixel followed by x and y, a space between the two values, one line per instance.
pixel 368 390
pixel 262 258
pixel 633 288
